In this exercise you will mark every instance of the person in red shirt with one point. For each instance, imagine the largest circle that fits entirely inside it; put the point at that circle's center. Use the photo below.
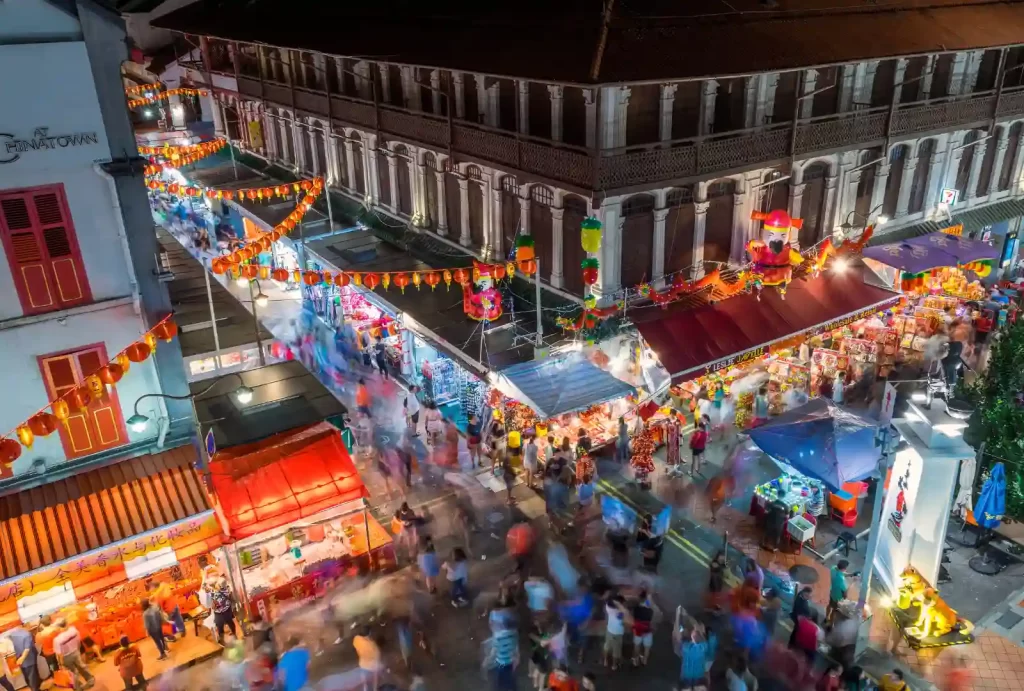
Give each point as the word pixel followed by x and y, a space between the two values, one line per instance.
pixel 559 680
pixel 698 442
pixel 363 400
pixel 982 326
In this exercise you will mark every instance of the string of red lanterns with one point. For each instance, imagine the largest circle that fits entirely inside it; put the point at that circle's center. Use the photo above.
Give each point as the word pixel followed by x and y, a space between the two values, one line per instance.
pixel 164 95
pixel 172 152
pixel 96 386
pixel 137 89
pixel 263 194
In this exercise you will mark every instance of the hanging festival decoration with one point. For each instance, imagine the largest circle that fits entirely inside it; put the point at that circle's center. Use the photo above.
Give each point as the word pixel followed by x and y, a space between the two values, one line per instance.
pixel 589 317
pixel 164 95
pixel 682 287
pixel 136 89
pixel 94 387
pixel 590 266
pixel 252 194
pixel 829 250
pixel 773 257
pixel 525 248
pixel 590 235
pixel 482 302
pixel 174 154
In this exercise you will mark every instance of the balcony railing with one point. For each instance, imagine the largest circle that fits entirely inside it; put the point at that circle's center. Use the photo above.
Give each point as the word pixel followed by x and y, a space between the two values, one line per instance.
pixel 648 164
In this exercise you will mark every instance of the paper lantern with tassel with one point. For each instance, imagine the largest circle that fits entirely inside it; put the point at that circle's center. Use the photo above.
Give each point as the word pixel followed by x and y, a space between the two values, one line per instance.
pixel 10 451
pixel 432 278
pixel 137 352
pixel 124 362
pixel 96 387
pixel 447 275
pixel 590 235
pixel 371 281
pixel 499 272
pixel 25 436
pixel 43 424
pixel 110 374
pixel 461 276
pixel 510 269
pixel 357 279
pixel 385 280
pixel 342 279
pixel 416 279
pixel 402 281
pixel 166 330
pixel 249 271
pixel 528 267
pixel 311 278
pixel 218 266
pixel 79 399
pixel 280 275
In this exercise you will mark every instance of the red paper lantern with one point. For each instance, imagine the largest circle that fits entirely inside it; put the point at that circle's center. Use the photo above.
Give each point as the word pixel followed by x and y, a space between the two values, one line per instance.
pixel 218 266
pixel 341 280
pixel 10 450
pixel 498 271
pixel 402 281
pixel 589 276
pixel 79 398
pixel 111 373
pixel 279 275
pixel 311 278
pixel 461 276
pixel 166 330
pixel 42 424
pixel 137 352
pixel 528 267
pixel 245 254
pixel 432 279
pixel 371 281
pixel 249 271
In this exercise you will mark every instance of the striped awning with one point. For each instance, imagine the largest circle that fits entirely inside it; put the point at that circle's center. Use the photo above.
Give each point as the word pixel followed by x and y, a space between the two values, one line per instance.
pixel 61 520
pixel 973 220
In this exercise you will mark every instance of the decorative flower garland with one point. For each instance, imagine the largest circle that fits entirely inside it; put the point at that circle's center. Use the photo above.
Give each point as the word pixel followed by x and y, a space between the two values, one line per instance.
pixel 95 387
pixel 164 95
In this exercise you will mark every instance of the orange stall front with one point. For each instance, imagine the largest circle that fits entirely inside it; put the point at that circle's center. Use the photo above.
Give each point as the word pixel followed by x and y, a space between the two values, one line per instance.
pixel 294 509
pixel 89 548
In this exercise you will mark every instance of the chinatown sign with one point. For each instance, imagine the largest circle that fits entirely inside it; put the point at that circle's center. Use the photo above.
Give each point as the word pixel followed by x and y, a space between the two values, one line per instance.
pixel 11 147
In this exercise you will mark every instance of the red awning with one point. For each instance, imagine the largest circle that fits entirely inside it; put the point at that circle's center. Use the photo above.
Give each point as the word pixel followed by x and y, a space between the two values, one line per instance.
pixel 281 479
pixel 694 342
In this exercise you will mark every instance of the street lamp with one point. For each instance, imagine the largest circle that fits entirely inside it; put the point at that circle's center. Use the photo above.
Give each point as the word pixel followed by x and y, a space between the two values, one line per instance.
pixel 139 422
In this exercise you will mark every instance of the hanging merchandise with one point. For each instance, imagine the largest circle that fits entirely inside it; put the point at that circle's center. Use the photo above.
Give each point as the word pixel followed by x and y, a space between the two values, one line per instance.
pixel 164 95
pixel 642 460
pixel 590 235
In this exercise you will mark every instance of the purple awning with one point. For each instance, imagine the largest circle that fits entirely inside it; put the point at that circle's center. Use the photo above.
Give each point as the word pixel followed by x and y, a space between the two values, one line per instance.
pixel 931 251
pixel 964 249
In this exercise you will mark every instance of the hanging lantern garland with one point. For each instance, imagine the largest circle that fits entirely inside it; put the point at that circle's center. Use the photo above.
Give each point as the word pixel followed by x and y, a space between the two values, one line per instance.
pixel 96 387
pixel 252 194
pixel 138 89
pixel 164 95
pixel 173 153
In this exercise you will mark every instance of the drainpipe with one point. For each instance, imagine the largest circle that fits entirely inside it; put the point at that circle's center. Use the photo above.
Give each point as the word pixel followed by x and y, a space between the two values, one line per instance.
pixel 123 235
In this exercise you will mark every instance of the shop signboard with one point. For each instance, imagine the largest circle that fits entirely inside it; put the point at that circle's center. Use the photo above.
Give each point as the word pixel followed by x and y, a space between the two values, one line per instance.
pixel 888 403
pixel 109 561
pixel 949 196
pixel 956 230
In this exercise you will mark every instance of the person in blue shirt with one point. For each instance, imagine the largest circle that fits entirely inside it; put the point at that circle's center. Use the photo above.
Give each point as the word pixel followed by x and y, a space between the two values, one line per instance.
pixel 26 655
pixel 293 667
pixel 429 563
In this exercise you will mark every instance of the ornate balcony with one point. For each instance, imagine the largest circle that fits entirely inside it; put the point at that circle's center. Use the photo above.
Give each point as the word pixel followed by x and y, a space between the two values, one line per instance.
pixel 660 163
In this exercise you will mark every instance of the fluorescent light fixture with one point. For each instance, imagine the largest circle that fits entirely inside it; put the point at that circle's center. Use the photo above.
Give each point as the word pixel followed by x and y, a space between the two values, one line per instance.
pixel 149 563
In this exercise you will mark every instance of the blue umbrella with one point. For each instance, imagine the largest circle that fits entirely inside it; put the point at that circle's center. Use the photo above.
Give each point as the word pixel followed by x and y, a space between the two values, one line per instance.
pixel 988 512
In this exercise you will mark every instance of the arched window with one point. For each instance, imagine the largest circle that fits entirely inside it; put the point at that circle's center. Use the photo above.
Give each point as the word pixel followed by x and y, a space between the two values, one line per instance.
pixel 813 207
pixel 919 190
pixel 1010 157
pixel 404 178
pixel 542 195
pixel 474 173
pixel 637 239
pixel 897 165
pixel 679 229
pixel 576 210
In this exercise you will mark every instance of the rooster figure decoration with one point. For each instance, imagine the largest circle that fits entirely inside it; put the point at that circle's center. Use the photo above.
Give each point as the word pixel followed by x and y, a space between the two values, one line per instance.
pixel 773 257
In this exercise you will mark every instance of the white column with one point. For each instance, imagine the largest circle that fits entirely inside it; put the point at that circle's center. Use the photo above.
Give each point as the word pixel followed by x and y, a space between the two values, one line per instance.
pixel 442 204
pixel 1018 161
pixel 898 77
pixel 708 94
pixel 997 165
pixel 460 95
pixel 482 108
pixel 878 190
pixel 956 74
pixel 420 209
pixel 300 150
pixel 524 210
pixel 766 100
pixel 848 196
pixel 435 91
pixel 331 151
pixel 936 178
pixel 523 91
pixel 393 182
pixel 286 152
pixel 830 205
pixel 314 165
pixel 796 202
pixel 269 134
pixel 906 183
pixel 658 253
pixel 610 272
pixel 700 217
pixel 492 225
pixel 410 89
pixel 494 105
pixel 350 164
pixel 556 91
pixel 464 238
pixel 668 99
pixel 740 223
pixel 867 82
pixel 926 80
pixel 971 70
pixel 370 169
pixel 807 104
pixel 557 238
pixel 614 102
pixel 590 108
pixel 752 89
pixel 364 86
pixel 385 83
pixel 847 80
pixel 972 178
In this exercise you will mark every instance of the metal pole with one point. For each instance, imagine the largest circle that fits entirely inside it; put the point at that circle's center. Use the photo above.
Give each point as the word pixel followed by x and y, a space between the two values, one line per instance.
pixel 256 325
pixel 876 523
pixel 330 211
pixel 302 248
pixel 540 322
pixel 213 322
pixel 231 150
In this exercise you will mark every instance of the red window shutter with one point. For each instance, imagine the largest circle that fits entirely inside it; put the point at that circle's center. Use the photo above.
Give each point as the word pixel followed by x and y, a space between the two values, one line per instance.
pixel 101 425
pixel 42 249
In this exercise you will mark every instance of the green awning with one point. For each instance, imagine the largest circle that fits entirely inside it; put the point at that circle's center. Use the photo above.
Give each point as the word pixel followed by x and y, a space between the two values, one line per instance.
pixel 973 220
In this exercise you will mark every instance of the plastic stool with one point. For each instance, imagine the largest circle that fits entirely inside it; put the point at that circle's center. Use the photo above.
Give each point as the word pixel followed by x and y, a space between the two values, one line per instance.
pixel 846 541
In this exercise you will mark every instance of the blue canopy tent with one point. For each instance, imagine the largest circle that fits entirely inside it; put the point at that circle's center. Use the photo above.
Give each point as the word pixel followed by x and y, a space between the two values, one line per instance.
pixel 991 506
pixel 557 385
pixel 823 441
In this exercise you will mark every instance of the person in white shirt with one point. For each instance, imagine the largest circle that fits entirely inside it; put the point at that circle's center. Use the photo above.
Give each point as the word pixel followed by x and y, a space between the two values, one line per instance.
pixel 616 612
pixel 530 461
pixel 412 410
pixel 68 645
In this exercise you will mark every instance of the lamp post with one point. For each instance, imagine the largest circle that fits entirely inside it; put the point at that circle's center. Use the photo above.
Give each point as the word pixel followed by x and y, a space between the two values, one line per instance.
pixel 847 226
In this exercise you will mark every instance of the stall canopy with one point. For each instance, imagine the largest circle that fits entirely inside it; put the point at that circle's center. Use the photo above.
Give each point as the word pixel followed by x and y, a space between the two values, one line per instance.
pixel 822 440
pixel 694 342
pixel 558 385
pixel 283 478
pixel 926 252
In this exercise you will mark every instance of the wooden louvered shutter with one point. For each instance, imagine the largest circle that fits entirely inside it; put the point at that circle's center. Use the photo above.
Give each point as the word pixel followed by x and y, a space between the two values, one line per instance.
pixel 42 249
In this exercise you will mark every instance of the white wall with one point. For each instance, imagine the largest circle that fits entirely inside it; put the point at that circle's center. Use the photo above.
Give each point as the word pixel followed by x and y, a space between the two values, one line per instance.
pixel 117 328
pixel 145 36
pixel 50 85
pixel 35 20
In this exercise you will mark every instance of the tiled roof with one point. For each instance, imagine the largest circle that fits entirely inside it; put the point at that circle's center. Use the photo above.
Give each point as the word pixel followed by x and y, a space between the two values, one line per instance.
pixel 647 39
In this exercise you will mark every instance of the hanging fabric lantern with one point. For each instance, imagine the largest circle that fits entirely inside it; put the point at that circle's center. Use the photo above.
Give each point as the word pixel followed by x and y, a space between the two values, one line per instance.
pixel 95 386
pixel 110 373
pixel 432 278
pixel 357 279
pixel 124 362
pixel 385 281
pixel 10 450
pixel 510 269
pixel 244 253
pixel 79 399
pixel 42 424
pixel 279 275
pixel 264 272
pixel 25 436
pixel 137 352
pixel 150 340
pixel 61 410
pixel 590 235
pixel 166 330
pixel 218 266
pixel 416 279
pixel 589 266
pixel 499 272
pixel 249 271
pixel 528 267
pixel 342 279
pixel 402 281
pixel 371 281
pixel 461 276
pixel 447 275
pixel 525 248
pixel 311 278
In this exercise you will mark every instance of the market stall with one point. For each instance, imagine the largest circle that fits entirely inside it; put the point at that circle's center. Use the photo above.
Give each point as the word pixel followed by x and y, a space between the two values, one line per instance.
pixel 296 517
pixel 151 524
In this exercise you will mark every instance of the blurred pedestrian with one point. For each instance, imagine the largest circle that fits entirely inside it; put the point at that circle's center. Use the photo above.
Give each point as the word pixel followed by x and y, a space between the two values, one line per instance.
pixel 412 410
pixel 364 402
pixel 370 661
pixel 530 461
pixel 502 659
pixel 561 680
pixel 642 623
pixel 831 680
pixel 473 433
pixel 293 667
pixel 615 613
pixel 692 648
pixel 129 665
pixel 429 564
pixel 622 442
pixel 698 443
pixel 153 619
pixel 457 570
